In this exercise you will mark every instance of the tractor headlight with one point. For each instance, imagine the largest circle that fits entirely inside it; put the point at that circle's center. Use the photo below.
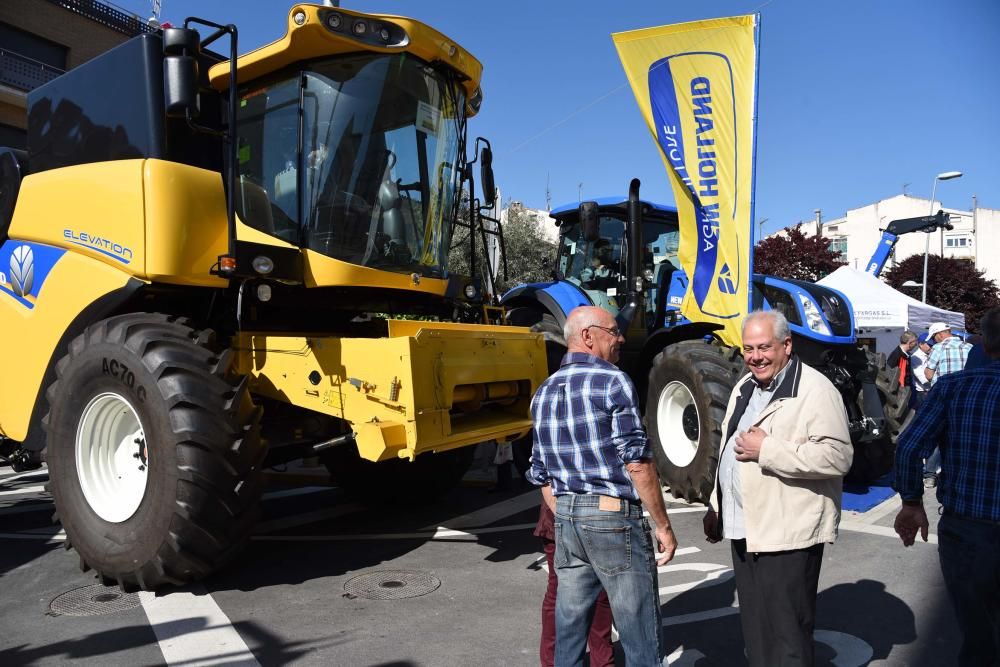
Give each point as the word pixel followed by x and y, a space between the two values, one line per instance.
pixel 471 292
pixel 814 318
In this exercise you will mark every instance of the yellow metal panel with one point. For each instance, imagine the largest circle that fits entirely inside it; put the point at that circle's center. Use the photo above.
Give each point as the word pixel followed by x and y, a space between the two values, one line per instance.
pixel 29 335
pixel 93 209
pixel 185 223
pixel 398 392
pixel 313 40
pixel 413 327
pixel 323 271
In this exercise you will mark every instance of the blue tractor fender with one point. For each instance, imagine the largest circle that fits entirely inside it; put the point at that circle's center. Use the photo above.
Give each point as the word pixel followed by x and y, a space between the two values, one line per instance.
pixel 557 298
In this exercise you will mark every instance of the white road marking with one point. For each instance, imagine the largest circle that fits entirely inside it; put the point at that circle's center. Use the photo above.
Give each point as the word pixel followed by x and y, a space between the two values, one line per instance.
pixel 697 616
pixel 192 630
pixel 884 531
pixel 716 574
pixel 492 513
pixel 301 491
pixel 22 509
pixel 41 472
pixel 305 519
pixel 22 491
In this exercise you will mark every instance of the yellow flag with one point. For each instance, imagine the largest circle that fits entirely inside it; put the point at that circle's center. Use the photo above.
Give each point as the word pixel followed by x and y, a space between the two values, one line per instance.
pixel 695 84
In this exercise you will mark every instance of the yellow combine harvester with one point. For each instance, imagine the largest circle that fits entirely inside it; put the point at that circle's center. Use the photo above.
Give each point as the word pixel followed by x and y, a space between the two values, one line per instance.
pixel 186 300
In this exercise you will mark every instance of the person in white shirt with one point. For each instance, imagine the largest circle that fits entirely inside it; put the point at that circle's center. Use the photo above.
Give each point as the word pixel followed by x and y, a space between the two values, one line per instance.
pixel 921 385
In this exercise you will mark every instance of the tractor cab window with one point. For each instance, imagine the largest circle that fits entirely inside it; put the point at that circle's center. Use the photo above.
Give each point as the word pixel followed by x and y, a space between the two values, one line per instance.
pixel 266 195
pixel 596 266
pixel 661 266
pixel 381 140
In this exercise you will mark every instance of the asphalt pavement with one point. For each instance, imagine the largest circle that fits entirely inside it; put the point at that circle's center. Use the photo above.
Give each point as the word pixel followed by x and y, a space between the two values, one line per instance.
pixel 326 581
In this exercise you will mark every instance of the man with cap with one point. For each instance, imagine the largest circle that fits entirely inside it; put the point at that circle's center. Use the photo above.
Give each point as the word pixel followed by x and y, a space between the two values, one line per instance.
pixel 921 385
pixel 948 356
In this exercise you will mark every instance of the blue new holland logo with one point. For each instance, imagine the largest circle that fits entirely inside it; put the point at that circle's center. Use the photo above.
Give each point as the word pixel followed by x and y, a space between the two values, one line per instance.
pixel 29 265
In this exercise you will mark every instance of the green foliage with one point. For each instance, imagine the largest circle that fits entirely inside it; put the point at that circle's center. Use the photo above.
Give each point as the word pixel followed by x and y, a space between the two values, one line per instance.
pixel 529 254
pixel 952 283
pixel 796 256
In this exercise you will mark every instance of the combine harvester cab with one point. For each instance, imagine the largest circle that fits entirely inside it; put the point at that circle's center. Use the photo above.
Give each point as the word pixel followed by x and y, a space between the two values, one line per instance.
pixel 187 300
pixel 680 366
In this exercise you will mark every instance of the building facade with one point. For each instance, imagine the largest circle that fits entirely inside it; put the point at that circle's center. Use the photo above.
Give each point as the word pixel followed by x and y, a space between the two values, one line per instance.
pixel 975 237
pixel 41 39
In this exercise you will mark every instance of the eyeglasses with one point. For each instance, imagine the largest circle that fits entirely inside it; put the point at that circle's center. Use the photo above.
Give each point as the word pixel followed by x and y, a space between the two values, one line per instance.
pixel 614 331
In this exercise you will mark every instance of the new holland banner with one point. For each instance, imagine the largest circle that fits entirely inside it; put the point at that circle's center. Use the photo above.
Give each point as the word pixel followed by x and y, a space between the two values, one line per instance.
pixel 695 84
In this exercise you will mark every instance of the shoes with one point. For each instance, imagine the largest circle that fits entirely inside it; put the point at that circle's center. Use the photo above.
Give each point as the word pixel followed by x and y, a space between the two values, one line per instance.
pixel 930 482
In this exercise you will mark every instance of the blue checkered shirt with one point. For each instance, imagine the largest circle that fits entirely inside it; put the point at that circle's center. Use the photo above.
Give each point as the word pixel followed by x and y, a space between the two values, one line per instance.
pixel 587 427
pixel 948 356
pixel 961 415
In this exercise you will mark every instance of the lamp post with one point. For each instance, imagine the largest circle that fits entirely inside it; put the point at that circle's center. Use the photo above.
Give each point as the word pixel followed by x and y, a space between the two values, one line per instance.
pixel 760 228
pixel 946 176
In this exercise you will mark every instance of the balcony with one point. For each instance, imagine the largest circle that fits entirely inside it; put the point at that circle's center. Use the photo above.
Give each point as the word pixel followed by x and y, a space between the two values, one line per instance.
pixel 23 73
pixel 107 15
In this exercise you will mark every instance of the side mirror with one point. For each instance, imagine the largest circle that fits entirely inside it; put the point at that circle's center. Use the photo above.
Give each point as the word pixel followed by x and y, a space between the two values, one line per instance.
pixel 590 223
pixel 486 176
pixel 181 47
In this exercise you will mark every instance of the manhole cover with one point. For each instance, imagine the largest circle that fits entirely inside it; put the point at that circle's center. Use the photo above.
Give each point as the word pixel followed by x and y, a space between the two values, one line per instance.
pixel 392 585
pixel 93 600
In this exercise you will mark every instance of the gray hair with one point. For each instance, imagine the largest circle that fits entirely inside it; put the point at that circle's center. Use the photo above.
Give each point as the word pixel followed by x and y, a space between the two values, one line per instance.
pixel 907 336
pixel 779 324
pixel 990 326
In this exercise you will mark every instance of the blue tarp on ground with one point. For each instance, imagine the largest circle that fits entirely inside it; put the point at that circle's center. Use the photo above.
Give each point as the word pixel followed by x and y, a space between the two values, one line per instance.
pixel 862 497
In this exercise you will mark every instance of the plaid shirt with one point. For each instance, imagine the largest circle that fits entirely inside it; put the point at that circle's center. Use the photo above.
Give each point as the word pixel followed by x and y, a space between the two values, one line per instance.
pixel 948 356
pixel 961 416
pixel 587 427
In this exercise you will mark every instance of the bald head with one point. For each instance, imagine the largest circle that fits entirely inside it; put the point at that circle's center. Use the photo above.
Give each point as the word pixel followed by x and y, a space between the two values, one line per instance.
pixel 593 330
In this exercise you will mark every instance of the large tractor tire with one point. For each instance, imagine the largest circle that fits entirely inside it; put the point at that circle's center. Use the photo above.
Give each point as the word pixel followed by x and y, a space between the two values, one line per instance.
pixel 689 387
pixel 873 460
pixel 154 451
pixel 425 479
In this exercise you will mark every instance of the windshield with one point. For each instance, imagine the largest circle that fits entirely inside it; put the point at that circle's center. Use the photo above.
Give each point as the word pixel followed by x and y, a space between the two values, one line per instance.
pixel 600 267
pixel 367 172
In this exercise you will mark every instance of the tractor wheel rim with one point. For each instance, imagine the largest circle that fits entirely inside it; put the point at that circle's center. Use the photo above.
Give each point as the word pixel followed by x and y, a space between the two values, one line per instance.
pixel 678 424
pixel 111 457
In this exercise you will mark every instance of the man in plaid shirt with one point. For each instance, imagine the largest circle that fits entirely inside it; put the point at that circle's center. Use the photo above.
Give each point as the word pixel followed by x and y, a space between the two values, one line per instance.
pixel 948 355
pixel 596 470
pixel 961 415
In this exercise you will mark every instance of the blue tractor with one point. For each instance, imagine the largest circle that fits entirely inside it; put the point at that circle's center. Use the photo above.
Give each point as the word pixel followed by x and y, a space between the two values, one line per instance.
pixel 621 254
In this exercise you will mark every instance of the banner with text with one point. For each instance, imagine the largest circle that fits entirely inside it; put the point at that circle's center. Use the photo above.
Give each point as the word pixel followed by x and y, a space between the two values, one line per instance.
pixel 695 84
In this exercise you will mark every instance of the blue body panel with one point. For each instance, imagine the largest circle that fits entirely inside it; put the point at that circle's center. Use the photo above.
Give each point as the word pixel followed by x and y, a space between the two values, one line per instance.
pixel 561 295
pixel 881 254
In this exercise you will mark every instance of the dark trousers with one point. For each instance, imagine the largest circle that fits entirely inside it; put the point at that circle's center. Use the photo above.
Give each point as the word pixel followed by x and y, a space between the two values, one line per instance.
pixel 970 562
pixel 599 639
pixel 777 594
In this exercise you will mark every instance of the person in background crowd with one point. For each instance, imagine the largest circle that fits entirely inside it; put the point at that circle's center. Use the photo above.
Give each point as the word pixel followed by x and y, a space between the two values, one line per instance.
pixel 599 638
pixel 921 385
pixel 900 357
pixel 948 356
pixel 596 470
pixel 962 417
pixel 777 494
pixel 977 355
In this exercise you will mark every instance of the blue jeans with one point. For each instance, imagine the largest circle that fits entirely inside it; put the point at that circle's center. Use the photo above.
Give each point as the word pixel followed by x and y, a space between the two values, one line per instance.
pixel 933 463
pixel 613 550
pixel 970 562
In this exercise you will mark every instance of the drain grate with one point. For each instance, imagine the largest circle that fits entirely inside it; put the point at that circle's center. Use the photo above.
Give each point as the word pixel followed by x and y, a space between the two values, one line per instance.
pixel 93 601
pixel 391 585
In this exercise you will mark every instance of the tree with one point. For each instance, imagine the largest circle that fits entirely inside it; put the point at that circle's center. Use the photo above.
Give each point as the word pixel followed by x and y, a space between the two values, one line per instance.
pixel 796 256
pixel 529 254
pixel 952 283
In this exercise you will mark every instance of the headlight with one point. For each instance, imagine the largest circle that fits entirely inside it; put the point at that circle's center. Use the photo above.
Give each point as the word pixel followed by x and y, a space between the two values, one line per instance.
pixel 471 292
pixel 814 318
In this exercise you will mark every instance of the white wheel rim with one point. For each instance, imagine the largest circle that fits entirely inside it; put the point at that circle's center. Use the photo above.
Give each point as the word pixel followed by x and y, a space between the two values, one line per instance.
pixel 111 457
pixel 678 424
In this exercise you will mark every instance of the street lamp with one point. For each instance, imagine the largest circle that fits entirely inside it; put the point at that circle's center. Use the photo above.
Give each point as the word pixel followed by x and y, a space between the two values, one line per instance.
pixel 946 176
pixel 760 228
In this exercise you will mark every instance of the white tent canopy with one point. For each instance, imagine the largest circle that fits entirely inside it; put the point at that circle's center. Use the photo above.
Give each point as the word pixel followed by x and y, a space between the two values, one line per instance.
pixel 879 308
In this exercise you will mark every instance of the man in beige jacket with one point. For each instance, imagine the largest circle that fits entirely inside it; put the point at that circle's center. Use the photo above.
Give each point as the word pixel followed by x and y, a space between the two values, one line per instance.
pixel 778 488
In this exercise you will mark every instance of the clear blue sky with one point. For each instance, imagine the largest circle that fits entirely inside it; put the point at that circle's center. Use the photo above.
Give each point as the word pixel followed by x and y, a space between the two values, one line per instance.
pixel 856 97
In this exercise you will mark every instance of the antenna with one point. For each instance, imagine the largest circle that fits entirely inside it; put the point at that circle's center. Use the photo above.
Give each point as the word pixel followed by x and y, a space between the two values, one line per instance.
pixel 548 194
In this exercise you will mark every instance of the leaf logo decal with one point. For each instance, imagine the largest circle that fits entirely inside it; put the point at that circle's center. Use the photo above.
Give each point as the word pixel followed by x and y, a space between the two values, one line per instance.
pixel 22 270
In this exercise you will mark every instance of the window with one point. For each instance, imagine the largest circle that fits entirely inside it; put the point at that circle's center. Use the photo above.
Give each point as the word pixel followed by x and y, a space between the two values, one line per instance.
pixel 839 245
pixel 957 242
pixel 32 46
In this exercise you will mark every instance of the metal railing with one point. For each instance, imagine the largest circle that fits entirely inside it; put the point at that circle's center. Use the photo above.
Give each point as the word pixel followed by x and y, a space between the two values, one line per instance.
pixel 24 73
pixel 107 15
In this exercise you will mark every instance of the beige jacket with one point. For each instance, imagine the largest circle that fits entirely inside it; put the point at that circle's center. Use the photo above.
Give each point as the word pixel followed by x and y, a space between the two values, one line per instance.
pixel 791 496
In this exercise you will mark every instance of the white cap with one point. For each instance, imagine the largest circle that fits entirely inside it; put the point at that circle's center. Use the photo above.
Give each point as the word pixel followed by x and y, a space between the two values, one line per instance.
pixel 936 328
